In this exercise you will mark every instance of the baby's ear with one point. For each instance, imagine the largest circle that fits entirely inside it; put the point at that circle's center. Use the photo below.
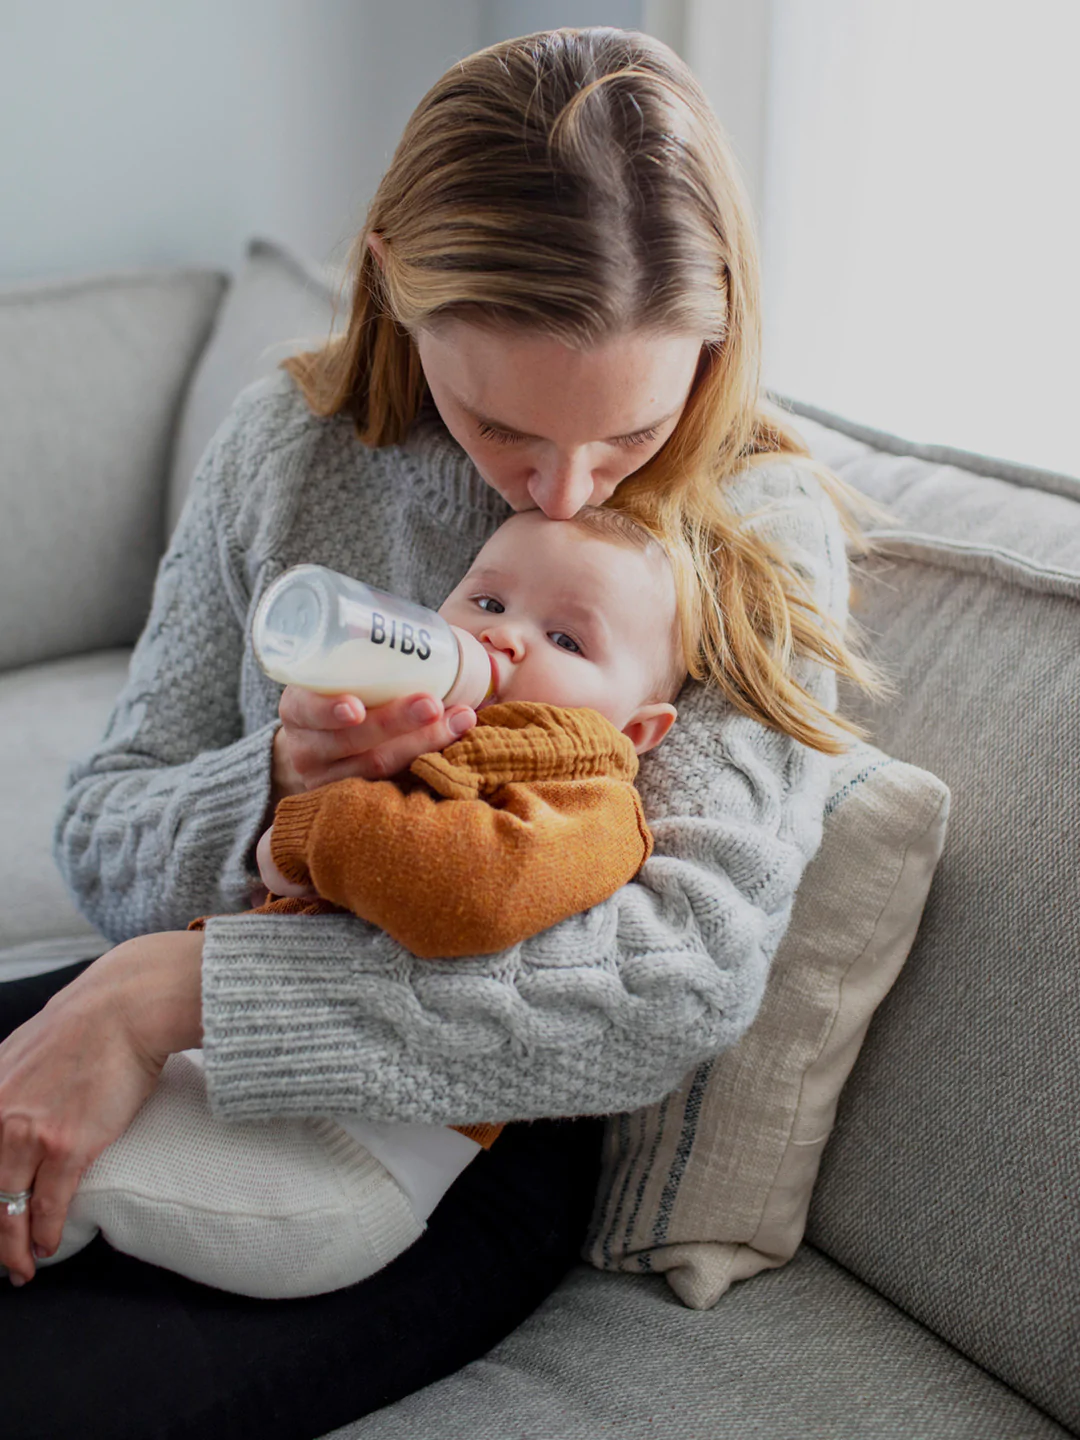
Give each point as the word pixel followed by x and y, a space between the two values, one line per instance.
pixel 649 726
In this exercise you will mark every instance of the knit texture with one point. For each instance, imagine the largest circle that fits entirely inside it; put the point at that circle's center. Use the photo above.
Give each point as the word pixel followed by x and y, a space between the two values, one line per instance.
pixel 605 1011
pixel 527 820
pixel 275 1209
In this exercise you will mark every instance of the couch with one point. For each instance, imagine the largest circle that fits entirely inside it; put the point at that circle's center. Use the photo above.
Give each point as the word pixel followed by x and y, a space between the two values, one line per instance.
pixel 936 1293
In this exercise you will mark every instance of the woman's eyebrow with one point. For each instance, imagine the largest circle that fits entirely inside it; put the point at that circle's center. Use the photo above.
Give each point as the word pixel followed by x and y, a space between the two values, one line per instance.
pixel 482 419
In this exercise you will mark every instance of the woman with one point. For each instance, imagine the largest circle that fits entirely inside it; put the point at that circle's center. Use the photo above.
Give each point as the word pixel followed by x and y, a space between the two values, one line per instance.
pixel 555 304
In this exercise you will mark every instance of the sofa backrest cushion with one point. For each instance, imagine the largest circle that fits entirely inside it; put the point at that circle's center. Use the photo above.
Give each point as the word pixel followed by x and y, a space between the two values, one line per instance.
pixel 91 377
pixel 277 304
pixel 951 1178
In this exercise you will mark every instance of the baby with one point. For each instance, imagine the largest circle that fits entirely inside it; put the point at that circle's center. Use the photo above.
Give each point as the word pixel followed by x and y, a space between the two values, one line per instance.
pixel 528 819
pixel 533 816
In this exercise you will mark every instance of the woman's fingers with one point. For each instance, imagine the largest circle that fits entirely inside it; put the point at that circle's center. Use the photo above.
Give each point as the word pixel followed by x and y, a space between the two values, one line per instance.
pixel 15 1246
pixel 74 1075
pixel 31 1161
pixel 307 710
pixel 19 1159
pixel 317 744
pixel 395 752
pixel 54 1189
pixel 52 1181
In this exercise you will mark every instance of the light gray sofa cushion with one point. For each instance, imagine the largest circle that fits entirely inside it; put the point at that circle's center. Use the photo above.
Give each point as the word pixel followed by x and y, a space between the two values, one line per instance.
pixel 951 1180
pixel 143 334
pixel 91 377
pixel 48 715
pixel 802 1352
pixel 277 304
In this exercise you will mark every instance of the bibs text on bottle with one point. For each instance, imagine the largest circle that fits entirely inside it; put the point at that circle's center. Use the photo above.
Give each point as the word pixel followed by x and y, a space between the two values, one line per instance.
pixel 330 633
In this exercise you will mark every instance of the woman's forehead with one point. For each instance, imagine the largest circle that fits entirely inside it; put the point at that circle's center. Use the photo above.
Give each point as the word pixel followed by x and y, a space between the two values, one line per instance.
pixel 536 386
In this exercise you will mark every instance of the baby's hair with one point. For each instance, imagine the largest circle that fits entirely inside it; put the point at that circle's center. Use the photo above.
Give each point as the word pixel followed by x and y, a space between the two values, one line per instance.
pixel 622 529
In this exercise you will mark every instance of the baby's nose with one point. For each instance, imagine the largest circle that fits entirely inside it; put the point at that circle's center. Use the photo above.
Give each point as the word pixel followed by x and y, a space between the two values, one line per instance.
pixel 504 637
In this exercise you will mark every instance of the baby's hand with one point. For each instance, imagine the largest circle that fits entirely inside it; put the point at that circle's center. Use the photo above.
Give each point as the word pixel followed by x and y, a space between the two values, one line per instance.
pixel 272 877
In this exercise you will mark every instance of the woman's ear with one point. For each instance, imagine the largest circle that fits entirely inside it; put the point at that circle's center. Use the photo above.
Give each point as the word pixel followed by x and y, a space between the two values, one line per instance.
pixel 377 246
pixel 649 726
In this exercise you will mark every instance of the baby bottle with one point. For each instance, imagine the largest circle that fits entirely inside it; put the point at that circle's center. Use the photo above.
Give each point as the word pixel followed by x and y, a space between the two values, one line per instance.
pixel 329 633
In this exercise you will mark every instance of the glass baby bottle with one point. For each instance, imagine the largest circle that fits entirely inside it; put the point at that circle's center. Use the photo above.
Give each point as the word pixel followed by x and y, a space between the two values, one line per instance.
pixel 323 630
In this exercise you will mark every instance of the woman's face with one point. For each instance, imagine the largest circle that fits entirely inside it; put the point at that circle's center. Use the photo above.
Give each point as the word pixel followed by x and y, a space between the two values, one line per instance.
pixel 553 428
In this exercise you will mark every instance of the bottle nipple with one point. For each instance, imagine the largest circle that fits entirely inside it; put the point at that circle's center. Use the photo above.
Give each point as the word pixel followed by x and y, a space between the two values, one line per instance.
pixel 475 680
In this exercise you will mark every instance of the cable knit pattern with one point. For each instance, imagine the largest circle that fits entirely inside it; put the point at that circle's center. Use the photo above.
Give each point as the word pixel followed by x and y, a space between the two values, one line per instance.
pixel 316 1015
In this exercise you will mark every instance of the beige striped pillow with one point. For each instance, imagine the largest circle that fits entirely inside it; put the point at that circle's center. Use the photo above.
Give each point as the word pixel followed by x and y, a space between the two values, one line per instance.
pixel 713 1184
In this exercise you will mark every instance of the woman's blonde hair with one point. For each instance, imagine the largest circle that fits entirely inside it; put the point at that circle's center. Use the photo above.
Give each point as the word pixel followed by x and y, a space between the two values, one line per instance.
pixel 576 183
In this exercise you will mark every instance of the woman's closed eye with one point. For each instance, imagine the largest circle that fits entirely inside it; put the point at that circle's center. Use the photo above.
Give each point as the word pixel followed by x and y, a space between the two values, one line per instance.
pixel 642 437
pixel 489 432
pixel 508 437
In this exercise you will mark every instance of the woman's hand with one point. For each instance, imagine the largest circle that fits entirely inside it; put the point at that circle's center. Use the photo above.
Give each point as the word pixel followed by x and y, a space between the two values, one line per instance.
pixel 73 1077
pixel 330 737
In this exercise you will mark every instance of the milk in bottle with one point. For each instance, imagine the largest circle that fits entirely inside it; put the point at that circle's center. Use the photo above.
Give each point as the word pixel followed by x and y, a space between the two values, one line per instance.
pixel 323 630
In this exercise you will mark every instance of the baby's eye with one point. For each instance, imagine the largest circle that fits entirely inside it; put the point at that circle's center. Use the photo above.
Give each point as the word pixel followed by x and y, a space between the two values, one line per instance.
pixel 490 604
pixel 564 641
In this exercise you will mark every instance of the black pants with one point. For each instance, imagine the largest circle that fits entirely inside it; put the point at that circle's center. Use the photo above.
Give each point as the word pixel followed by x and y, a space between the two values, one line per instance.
pixel 103 1346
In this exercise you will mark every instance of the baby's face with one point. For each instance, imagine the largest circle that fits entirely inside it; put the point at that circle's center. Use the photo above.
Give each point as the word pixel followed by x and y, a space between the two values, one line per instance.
pixel 571 618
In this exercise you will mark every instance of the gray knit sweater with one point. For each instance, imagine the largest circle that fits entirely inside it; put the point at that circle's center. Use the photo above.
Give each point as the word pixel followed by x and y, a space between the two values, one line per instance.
pixel 317 1015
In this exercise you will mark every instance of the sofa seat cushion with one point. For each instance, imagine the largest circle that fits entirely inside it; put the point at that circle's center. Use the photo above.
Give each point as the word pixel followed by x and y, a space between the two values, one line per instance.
pixel 49 715
pixel 804 1351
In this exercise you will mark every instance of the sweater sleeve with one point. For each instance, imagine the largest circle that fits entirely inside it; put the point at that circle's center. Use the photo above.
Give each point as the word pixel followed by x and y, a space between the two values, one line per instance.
pixel 603 1012
pixel 158 824
pixel 447 877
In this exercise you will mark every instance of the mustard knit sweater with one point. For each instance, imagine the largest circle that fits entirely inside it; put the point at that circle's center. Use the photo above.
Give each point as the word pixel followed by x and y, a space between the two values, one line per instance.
pixel 530 818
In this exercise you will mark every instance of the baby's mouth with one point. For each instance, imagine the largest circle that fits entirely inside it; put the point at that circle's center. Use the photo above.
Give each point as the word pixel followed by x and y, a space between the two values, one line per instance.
pixel 492 696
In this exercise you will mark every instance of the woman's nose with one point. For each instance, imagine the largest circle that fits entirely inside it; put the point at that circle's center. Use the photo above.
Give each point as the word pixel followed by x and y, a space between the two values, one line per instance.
pixel 562 490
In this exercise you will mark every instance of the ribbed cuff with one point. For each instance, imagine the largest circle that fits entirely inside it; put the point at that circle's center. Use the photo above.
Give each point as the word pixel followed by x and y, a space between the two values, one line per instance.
pixel 293 819
pixel 228 793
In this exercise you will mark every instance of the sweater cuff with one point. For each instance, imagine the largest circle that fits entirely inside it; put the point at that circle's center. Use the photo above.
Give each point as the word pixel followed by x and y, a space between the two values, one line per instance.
pixel 228 795
pixel 293 819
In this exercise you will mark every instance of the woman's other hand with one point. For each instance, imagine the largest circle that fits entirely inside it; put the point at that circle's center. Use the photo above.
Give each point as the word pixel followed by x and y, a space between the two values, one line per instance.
pixel 73 1077
pixel 331 737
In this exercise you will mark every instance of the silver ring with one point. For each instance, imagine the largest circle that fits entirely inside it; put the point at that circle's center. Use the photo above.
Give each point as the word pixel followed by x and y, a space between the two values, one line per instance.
pixel 15 1200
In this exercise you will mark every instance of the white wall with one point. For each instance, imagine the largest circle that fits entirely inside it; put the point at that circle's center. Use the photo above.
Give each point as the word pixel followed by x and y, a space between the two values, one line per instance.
pixel 135 133
pixel 923 214
pixel 505 19
pixel 726 44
